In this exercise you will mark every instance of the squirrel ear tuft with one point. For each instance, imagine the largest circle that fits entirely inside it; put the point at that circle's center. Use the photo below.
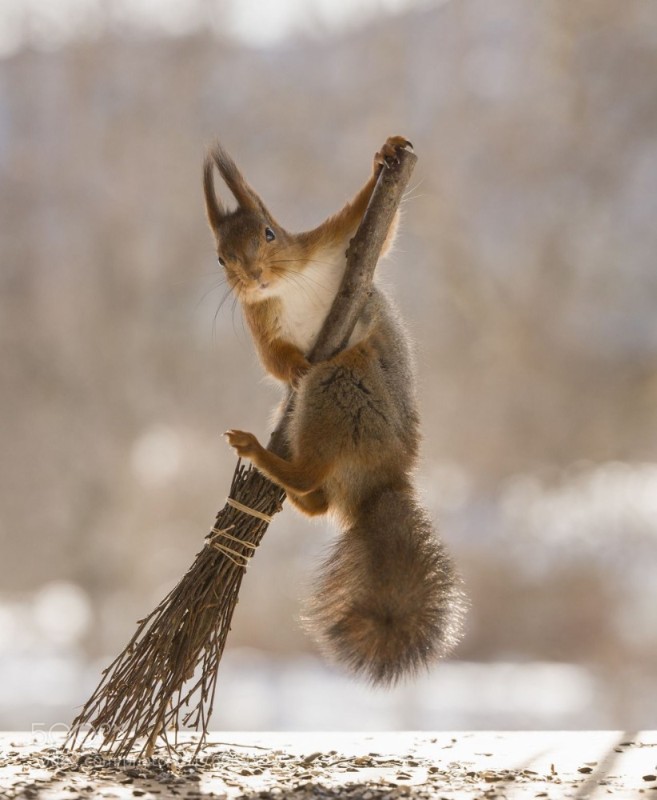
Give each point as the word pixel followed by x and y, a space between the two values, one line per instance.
pixel 243 193
pixel 213 206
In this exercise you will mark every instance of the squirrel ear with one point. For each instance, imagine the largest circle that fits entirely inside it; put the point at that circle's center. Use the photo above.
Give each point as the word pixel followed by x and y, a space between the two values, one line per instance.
pixel 243 193
pixel 213 206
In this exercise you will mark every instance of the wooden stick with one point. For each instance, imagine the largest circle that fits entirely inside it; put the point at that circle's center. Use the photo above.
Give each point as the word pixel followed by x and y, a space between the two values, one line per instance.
pixel 169 668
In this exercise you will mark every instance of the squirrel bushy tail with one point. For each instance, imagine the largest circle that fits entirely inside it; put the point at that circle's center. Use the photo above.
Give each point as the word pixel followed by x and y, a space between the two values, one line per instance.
pixel 388 601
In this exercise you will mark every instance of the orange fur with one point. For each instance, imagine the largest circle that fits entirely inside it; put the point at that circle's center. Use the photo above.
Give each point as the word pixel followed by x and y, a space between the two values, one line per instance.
pixel 280 358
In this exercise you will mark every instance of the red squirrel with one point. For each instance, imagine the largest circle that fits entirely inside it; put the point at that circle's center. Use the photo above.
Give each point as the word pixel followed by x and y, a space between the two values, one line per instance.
pixel 387 601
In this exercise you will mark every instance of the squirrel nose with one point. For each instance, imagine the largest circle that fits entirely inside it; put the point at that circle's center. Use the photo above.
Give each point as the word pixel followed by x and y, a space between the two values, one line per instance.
pixel 256 272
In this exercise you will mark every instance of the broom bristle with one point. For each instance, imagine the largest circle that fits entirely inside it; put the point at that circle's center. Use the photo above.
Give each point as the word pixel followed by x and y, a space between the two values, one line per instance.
pixel 167 673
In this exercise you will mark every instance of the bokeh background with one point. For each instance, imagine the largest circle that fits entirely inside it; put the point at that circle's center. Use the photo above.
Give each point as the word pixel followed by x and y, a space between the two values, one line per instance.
pixel 525 267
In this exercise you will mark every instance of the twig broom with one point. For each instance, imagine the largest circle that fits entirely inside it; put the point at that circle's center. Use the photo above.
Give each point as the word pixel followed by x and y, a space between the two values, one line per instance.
pixel 167 674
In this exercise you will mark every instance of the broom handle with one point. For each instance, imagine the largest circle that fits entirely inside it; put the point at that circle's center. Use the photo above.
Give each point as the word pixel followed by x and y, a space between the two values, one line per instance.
pixel 362 256
pixel 107 708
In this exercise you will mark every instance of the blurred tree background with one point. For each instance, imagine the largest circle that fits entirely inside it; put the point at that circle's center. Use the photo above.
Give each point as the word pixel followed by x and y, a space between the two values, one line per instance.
pixel 526 270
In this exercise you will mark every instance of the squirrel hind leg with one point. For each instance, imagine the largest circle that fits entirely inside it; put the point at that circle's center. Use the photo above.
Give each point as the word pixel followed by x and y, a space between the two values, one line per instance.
pixel 312 504
pixel 388 602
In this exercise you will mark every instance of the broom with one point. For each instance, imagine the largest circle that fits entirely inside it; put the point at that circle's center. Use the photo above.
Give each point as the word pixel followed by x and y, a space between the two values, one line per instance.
pixel 166 676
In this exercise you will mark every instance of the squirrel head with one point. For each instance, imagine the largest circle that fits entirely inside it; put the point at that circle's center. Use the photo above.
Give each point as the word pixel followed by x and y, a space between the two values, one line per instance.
pixel 249 241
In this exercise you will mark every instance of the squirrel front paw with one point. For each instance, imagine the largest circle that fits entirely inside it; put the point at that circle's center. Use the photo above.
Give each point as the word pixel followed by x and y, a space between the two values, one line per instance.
pixel 244 444
pixel 389 153
pixel 297 371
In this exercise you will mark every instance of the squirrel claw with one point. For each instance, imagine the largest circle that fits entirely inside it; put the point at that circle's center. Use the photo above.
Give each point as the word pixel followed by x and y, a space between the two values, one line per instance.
pixel 389 153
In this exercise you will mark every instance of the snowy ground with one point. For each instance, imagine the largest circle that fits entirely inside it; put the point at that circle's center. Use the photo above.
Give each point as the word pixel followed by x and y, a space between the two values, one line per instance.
pixel 358 766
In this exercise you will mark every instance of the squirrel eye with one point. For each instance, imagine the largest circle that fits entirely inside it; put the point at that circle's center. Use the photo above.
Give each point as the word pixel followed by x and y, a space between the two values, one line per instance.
pixel 222 263
pixel 269 234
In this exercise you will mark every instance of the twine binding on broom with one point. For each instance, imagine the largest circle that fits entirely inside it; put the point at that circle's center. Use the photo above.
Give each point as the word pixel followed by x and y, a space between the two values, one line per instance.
pixel 239 559
pixel 252 511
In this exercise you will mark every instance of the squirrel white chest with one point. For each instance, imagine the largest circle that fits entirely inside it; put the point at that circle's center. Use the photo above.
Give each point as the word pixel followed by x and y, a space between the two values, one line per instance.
pixel 306 298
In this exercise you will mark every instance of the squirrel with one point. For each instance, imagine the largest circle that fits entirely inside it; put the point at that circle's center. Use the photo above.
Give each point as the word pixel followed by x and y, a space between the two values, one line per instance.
pixel 387 601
